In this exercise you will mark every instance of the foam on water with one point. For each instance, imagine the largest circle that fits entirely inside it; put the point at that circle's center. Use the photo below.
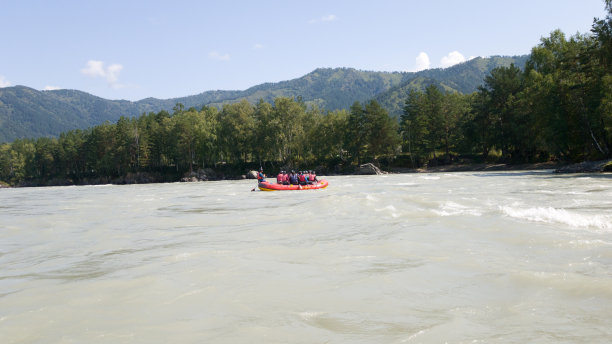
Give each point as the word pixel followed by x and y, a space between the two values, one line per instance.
pixel 559 216
pixel 589 243
pixel 450 208
pixel 390 209
pixel 430 177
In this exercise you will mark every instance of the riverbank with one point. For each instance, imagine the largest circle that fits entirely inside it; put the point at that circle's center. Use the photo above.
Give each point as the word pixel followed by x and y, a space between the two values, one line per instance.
pixel 587 167
pixel 209 174
pixel 583 167
pixel 481 167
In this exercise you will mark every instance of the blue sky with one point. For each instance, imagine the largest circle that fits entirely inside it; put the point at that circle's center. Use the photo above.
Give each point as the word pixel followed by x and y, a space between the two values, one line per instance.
pixel 165 49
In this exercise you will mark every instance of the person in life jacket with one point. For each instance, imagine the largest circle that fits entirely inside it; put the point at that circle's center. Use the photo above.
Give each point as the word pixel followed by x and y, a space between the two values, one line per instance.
pixel 313 177
pixel 285 178
pixel 261 177
pixel 302 178
pixel 293 178
pixel 309 178
pixel 280 177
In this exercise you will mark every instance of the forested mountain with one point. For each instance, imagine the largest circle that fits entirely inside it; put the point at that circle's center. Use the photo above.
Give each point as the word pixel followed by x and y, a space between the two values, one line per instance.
pixel 330 89
pixel 25 112
pixel 463 78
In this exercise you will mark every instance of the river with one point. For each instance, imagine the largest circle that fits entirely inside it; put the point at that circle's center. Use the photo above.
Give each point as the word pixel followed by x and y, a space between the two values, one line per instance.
pixel 504 257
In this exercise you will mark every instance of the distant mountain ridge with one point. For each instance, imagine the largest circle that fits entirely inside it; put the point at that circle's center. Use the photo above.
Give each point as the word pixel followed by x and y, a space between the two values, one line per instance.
pixel 463 78
pixel 29 113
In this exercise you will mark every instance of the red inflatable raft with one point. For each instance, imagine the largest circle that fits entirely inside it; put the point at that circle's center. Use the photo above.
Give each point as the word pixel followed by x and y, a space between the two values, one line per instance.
pixel 267 186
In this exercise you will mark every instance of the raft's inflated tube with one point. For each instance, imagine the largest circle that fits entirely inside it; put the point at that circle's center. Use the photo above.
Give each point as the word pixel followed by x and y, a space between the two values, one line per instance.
pixel 267 186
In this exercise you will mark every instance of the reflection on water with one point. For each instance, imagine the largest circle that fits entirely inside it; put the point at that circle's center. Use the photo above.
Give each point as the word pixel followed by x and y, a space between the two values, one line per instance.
pixel 449 257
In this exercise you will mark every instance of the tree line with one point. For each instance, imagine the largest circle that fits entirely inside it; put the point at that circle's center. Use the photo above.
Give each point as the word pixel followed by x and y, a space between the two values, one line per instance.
pixel 559 107
pixel 285 133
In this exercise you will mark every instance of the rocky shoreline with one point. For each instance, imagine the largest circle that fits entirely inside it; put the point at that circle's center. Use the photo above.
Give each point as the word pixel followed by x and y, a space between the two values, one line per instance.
pixel 583 167
pixel 587 167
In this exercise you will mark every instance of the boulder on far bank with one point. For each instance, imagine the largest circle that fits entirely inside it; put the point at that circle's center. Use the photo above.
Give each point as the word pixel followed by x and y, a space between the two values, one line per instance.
pixel 251 175
pixel 369 169
pixel 205 174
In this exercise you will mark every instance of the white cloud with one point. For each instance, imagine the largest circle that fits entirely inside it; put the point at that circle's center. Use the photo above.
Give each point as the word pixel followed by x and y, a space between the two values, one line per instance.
pixel 51 88
pixel 324 19
pixel 422 61
pixel 453 58
pixel 329 18
pixel 258 46
pixel 96 69
pixel 4 82
pixel 112 72
pixel 215 55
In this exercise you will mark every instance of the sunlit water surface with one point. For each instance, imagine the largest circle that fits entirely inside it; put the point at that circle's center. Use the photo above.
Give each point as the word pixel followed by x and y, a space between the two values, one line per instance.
pixel 510 257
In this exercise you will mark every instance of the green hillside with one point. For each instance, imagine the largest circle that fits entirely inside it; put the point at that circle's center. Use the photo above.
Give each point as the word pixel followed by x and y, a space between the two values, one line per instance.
pixel 28 113
pixel 329 88
pixel 462 78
